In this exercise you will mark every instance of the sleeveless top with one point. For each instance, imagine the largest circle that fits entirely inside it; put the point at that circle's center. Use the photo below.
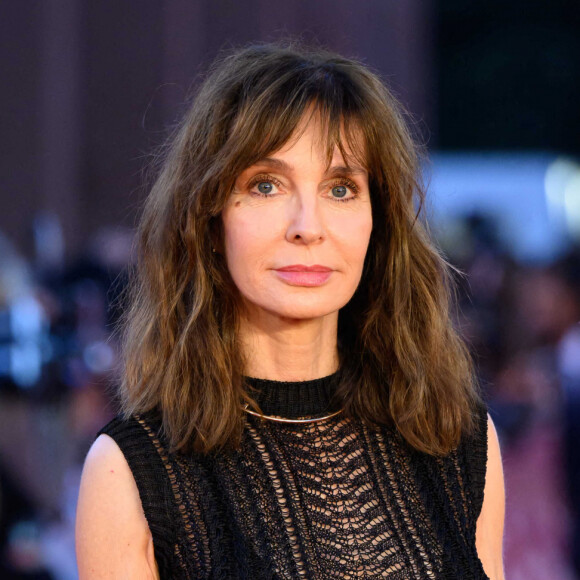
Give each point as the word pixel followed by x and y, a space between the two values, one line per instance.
pixel 316 500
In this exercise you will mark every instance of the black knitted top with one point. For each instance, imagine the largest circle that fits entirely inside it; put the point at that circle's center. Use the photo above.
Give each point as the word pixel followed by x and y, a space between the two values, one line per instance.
pixel 328 499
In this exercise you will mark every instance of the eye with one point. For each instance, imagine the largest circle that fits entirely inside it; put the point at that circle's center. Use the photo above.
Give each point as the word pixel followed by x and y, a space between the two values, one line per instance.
pixel 265 187
pixel 339 191
pixel 343 190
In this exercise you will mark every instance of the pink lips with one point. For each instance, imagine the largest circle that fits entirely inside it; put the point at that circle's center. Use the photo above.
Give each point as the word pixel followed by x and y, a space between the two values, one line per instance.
pixel 300 275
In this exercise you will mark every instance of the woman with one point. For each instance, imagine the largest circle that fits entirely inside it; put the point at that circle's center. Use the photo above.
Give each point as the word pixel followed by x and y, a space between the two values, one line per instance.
pixel 296 403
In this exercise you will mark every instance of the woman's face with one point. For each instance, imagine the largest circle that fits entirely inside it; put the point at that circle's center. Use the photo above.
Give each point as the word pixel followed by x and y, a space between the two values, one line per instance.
pixel 296 231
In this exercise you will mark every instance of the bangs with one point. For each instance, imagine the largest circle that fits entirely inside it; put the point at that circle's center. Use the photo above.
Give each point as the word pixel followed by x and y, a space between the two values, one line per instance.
pixel 276 108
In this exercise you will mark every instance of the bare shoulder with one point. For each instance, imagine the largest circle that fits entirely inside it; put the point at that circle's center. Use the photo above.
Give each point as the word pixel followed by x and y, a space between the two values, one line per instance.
pixel 112 536
pixel 489 533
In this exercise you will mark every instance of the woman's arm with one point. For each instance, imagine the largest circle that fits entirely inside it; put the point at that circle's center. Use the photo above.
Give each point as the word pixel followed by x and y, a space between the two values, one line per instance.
pixel 112 536
pixel 489 532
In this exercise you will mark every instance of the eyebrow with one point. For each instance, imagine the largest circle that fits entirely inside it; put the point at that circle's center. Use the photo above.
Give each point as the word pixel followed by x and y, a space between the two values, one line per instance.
pixel 333 171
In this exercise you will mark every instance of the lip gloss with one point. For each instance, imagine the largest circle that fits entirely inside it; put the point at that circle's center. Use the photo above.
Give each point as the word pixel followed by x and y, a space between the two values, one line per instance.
pixel 308 276
pixel 304 278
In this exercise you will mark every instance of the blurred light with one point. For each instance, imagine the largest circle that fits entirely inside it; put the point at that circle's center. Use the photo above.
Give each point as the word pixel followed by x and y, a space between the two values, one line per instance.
pixel 562 185
pixel 569 354
pixel 27 319
pixel 509 188
pixel 25 364
pixel 572 204
pixel 98 357
pixel 23 357
pixel 48 240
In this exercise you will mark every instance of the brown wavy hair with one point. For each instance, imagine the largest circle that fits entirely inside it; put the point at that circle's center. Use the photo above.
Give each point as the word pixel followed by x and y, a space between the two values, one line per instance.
pixel 402 361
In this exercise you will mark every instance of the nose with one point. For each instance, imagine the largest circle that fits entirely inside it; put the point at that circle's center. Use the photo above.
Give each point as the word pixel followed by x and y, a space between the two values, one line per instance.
pixel 305 225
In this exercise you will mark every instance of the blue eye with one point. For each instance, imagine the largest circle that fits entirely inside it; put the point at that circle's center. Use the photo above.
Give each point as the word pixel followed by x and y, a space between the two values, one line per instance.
pixel 339 191
pixel 264 187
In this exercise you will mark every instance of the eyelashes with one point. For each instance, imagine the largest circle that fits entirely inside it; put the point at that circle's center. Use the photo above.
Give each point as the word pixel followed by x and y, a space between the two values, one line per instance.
pixel 260 179
pixel 269 180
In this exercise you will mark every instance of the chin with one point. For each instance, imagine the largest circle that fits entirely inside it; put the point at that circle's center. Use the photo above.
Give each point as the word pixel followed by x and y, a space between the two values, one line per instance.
pixel 294 305
pixel 303 315
pixel 305 311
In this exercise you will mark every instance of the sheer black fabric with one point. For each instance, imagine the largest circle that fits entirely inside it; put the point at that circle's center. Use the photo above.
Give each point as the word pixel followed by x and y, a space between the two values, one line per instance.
pixel 331 499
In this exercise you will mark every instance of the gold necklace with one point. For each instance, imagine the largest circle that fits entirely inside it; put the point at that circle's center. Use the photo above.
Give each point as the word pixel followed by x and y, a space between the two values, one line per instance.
pixel 282 420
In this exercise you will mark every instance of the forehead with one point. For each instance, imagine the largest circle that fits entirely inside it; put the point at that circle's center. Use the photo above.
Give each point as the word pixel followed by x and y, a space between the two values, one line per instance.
pixel 341 142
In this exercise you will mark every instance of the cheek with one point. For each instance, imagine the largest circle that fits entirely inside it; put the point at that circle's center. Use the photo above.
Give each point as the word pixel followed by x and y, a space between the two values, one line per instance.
pixel 364 235
pixel 245 243
pixel 354 235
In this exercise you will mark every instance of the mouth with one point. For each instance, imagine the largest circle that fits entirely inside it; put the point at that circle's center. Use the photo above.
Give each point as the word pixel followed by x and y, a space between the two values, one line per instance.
pixel 302 268
pixel 301 275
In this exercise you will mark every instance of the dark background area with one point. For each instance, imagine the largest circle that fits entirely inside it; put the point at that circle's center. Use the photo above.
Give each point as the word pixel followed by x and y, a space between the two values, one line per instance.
pixel 508 75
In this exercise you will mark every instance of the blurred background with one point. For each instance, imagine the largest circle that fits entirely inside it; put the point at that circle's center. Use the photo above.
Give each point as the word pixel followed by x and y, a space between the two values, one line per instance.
pixel 89 90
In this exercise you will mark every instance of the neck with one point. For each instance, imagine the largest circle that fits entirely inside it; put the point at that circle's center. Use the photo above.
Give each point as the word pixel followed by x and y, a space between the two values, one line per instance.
pixel 289 350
